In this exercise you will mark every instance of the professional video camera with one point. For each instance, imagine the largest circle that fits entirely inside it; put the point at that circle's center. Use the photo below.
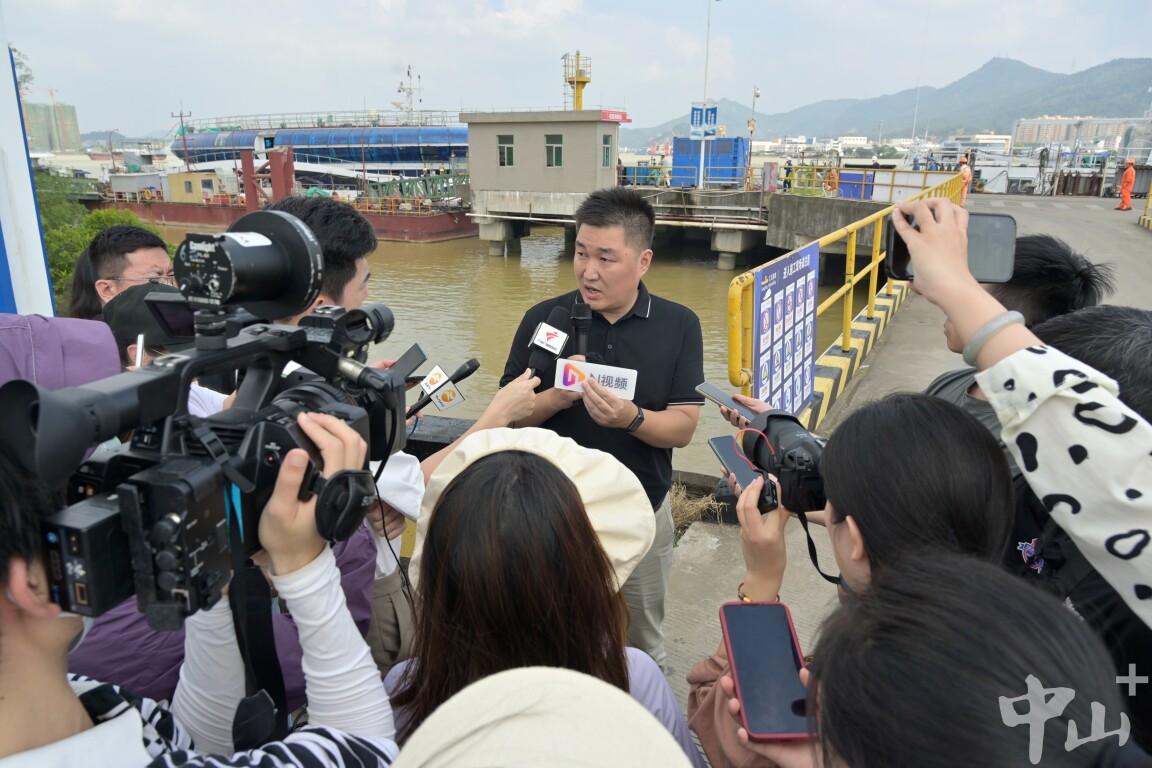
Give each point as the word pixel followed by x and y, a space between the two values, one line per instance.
pixel 776 442
pixel 168 515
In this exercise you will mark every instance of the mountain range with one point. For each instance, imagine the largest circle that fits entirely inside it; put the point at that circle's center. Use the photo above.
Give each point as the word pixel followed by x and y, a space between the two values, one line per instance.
pixel 988 100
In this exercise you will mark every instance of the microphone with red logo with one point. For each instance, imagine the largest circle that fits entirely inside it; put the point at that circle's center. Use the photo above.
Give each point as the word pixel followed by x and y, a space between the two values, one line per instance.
pixel 457 376
pixel 581 323
pixel 548 341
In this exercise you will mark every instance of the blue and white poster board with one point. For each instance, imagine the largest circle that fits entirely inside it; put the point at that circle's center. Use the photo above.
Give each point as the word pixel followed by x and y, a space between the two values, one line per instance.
pixel 710 122
pixel 784 339
pixel 697 128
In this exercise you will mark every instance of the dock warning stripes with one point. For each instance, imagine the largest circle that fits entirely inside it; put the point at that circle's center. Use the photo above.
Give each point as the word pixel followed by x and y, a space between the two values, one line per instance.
pixel 836 367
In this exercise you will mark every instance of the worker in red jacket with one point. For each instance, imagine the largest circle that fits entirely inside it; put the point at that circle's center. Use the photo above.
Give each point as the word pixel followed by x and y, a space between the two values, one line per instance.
pixel 1127 182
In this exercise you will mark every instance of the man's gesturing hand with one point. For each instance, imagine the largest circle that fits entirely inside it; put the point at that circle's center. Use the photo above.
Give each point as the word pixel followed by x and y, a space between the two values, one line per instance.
pixel 605 408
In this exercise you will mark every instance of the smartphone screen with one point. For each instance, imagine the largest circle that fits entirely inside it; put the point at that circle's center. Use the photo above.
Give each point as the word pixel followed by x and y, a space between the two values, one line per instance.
pixel 732 460
pixel 720 397
pixel 765 658
pixel 991 248
pixel 409 361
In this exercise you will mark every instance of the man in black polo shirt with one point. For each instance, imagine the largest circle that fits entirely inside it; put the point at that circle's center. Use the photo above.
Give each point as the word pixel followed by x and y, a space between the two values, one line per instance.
pixel 631 328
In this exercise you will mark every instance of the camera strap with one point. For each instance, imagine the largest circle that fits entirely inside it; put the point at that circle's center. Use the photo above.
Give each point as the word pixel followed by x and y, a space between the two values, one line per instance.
pixel 812 550
pixel 262 716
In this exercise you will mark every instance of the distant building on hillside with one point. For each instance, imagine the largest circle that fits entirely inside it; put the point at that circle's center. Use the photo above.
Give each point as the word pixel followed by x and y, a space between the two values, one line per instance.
pixel 51 127
pixel 854 141
pixel 1057 129
pixel 1000 143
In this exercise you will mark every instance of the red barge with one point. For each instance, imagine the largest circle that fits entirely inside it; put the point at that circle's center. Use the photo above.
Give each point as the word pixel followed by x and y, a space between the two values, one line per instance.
pixel 430 226
pixel 422 209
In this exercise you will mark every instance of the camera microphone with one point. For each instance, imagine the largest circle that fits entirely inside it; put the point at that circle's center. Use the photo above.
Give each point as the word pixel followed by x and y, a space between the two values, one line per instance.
pixel 548 341
pixel 581 323
pixel 461 373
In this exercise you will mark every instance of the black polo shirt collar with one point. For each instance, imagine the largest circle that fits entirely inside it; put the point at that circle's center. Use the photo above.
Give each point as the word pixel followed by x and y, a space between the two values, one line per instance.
pixel 642 307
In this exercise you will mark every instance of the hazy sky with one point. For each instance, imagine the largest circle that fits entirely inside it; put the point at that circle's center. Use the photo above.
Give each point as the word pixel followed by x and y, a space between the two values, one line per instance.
pixel 128 64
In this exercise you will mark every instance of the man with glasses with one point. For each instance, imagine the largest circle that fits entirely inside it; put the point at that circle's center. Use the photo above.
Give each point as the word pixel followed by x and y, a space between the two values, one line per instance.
pixel 117 258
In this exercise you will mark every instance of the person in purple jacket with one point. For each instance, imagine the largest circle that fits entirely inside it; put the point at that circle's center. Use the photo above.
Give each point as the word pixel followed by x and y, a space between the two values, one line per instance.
pixel 56 352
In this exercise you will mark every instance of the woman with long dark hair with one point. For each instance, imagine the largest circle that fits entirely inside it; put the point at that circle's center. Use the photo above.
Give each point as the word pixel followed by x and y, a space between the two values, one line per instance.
pixel 528 539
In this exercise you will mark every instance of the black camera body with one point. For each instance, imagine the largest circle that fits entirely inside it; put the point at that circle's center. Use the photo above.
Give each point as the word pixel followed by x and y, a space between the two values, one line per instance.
pixel 776 442
pixel 169 515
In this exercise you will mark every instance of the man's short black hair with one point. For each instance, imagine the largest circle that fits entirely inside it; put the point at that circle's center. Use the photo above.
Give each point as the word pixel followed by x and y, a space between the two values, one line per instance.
pixel 619 207
pixel 1050 279
pixel 1117 341
pixel 104 258
pixel 344 235
pixel 109 250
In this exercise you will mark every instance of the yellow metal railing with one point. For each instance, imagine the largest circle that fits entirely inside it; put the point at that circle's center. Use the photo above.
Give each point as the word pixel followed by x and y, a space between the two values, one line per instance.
pixel 740 309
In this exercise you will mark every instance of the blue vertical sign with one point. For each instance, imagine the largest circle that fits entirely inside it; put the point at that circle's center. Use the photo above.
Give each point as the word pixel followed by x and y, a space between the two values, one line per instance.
pixel 784 340
pixel 697 131
pixel 710 122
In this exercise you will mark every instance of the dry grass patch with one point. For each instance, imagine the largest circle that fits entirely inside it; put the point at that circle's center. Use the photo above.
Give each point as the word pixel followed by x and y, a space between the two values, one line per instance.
pixel 687 509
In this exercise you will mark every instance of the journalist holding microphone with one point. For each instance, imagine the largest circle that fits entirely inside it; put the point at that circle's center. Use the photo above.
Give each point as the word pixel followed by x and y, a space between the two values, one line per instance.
pixel 646 341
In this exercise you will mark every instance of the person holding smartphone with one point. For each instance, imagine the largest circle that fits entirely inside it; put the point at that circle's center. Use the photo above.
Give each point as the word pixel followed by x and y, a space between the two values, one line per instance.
pixel 1055 411
pixel 1049 279
pixel 962 503
pixel 974 668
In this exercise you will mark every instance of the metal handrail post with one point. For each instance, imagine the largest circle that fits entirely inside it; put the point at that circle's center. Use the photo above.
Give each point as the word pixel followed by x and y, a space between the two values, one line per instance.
pixel 849 273
pixel 875 268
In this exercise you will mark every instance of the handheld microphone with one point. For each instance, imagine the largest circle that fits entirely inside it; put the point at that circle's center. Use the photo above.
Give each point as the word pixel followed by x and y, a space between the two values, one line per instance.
pixel 581 323
pixel 548 341
pixel 457 376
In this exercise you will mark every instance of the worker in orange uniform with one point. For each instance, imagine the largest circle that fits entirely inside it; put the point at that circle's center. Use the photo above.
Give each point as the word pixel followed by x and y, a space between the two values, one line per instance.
pixel 966 181
pixel 1127 182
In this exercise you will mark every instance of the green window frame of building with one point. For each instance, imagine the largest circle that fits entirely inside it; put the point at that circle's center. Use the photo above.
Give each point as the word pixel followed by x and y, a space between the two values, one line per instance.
pixel 504 147
pixel 187 187
pixel 553 150
pixel 606 152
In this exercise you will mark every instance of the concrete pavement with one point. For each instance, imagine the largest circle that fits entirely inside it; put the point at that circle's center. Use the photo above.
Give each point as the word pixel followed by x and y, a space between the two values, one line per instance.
pixel 708 565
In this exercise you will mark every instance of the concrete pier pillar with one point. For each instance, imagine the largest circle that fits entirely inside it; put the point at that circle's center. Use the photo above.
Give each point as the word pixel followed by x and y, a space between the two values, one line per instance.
pixel 497 233
pixel 730 243
pixel 504 236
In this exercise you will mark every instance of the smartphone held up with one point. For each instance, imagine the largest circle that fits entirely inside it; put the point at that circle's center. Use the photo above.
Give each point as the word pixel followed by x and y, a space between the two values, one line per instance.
pixel 765 658
pixel 991 248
